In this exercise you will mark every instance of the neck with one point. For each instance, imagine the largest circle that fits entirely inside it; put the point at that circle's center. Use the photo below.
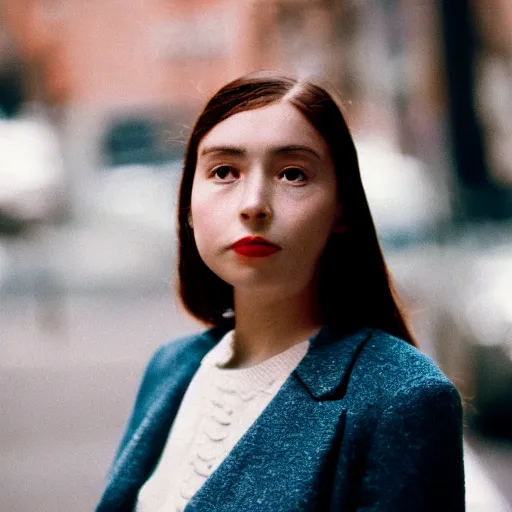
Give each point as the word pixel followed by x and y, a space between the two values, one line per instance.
pixel 265 326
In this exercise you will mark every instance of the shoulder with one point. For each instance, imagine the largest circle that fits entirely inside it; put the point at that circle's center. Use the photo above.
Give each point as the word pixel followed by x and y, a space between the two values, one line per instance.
pixel 403 425
pixel 400 359
pixel 390 370
pixel 172 354
pixel 171 359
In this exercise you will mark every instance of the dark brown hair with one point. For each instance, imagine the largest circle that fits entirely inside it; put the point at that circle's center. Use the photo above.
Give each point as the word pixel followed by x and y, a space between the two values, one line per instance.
pixel 355 288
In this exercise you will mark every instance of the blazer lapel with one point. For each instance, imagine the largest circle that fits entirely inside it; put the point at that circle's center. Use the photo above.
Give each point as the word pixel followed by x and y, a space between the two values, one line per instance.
pixel 289 449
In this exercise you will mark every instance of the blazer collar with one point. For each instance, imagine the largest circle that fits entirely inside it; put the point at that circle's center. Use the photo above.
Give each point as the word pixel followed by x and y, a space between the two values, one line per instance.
pixel 326 368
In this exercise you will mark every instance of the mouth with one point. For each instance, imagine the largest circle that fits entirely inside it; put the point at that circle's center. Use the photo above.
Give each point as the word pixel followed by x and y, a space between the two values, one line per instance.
pixel 255 247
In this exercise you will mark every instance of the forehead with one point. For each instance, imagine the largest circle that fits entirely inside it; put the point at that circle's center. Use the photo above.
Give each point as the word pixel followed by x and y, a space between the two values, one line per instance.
pixel 279 124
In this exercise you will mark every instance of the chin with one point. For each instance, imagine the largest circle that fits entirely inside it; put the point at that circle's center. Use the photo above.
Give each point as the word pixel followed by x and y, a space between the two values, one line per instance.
pixel 269 288
pixel 255 278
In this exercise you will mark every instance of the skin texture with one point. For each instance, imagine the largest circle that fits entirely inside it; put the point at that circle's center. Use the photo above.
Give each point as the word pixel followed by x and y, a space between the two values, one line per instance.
pixel 266 172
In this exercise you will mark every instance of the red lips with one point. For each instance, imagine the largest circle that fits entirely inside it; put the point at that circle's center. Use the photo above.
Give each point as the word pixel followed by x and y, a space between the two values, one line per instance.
pixel 254 247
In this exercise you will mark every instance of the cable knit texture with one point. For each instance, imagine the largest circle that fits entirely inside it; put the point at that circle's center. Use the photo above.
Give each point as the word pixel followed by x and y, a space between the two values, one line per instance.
pixel 218 407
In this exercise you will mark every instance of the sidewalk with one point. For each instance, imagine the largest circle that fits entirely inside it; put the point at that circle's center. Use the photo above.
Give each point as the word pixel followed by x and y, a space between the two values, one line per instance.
pixel 481 493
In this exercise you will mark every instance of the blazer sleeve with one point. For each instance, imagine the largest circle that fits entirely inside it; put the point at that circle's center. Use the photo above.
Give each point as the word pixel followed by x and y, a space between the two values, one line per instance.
pixel 415 461
pixel 146 388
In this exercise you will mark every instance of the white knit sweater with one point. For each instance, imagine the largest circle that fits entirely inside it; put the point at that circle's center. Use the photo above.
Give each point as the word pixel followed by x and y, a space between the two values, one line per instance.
pixel 219 406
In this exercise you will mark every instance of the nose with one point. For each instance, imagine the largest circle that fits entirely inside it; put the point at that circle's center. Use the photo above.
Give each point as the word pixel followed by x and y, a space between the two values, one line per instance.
pixel 255 203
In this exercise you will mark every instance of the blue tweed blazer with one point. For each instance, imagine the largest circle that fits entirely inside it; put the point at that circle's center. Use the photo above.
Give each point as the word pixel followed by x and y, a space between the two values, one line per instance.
pixel 365 423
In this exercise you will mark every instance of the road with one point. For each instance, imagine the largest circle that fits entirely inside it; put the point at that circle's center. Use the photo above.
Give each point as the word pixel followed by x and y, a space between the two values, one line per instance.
pixel 77 325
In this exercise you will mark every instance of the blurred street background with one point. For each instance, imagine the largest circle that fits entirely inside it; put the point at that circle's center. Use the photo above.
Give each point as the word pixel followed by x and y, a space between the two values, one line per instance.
pixel 96 102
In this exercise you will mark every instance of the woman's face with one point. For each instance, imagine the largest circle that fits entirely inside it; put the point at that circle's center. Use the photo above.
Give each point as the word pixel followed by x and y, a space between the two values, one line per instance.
pixel 264 173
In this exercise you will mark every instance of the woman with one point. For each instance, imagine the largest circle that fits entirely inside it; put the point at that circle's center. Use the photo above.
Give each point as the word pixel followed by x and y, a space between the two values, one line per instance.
pixel 307 393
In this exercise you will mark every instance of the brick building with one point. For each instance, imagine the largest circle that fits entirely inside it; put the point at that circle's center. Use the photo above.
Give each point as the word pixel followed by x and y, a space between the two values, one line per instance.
pixel 99 62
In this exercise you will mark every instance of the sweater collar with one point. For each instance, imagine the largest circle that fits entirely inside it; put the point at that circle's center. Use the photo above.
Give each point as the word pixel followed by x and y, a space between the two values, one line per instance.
pixel 327 365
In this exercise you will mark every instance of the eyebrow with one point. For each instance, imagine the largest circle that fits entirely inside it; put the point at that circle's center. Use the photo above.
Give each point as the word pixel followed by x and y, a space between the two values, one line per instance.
pixel 240 151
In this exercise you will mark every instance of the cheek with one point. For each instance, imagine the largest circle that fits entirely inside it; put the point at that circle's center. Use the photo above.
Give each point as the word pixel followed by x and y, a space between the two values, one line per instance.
pixel 199 210
pixel 207 203
pixel 208 221
pixel 202 234
pixel 310 234
pixel 315 220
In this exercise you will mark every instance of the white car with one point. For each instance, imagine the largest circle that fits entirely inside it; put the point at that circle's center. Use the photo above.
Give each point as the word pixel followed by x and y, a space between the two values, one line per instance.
pixel 31 170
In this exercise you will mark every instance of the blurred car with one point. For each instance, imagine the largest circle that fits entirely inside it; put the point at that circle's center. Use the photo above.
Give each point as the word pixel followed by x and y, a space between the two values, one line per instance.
pixel 143 195
pixel 141 169
pixel 136 140
pixel 408 201
pixel 475 335
pixel 31 173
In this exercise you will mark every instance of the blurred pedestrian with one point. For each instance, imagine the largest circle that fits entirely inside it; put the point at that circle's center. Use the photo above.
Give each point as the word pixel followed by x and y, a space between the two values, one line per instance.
pixel 307 392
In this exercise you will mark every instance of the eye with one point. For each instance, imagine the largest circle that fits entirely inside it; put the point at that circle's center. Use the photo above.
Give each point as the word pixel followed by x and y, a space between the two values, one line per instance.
pixel 293 174
pixel 225 173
